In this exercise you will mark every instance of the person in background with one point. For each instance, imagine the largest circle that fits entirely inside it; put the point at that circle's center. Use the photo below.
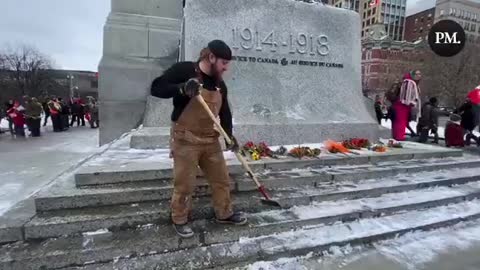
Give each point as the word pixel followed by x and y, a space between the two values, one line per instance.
pixel 25 102
pixel 33 115
pixel 64 114
pixel 468 122
pixel 93 112
pixel 78 112
pixel 46 111
pixel 378 109
pixel 429 121
pixel 55 110
pixel 16 114
pixel 8 106
pixel 407 104
pixel 454 132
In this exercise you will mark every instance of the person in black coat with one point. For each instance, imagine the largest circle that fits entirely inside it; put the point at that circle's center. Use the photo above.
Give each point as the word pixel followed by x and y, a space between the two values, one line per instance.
pixel 468 122
pixel 8 106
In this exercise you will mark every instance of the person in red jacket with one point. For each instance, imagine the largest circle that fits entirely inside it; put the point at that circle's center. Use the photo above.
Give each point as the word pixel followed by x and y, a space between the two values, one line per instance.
pixel 454 132
pixel 19 122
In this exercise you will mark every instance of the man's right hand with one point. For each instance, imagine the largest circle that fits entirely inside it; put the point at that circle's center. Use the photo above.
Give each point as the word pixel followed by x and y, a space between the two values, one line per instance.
pixel 191 88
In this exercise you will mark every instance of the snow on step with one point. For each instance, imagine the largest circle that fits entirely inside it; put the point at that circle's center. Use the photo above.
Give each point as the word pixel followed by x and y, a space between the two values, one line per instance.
pixel 340 233
pixel 412 250
pixel 399 179
pixel 333 208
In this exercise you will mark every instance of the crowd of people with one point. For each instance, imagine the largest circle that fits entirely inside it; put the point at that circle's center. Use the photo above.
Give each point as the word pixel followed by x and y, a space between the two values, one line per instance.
pixel 405 106
pixel 28 113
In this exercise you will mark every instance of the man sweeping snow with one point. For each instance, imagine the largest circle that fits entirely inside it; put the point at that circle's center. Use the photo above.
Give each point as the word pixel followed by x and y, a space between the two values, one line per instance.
pixel 194 138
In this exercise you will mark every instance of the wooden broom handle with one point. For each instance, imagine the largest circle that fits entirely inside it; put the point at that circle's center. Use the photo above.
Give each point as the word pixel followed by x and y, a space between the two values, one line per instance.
pixel 228 139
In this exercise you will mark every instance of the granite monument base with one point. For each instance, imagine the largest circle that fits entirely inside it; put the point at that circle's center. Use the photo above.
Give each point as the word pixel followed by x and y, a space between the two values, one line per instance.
pixel 158 137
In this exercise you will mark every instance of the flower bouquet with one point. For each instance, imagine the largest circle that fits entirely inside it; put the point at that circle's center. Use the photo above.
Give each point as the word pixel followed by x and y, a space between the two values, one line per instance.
pixel 379 148
pixel 356 143
pixel 256 152
pixel 300 152
pixel 394 144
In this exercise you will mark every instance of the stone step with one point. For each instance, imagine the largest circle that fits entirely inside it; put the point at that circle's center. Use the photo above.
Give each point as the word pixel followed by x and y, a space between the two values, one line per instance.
pixel 142 191
pixel 292 232
pixel 151 138
pixel 71 221
pixel 142 171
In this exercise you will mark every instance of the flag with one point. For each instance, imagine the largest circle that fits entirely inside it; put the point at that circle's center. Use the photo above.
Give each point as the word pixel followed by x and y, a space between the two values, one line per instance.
pixel 373 2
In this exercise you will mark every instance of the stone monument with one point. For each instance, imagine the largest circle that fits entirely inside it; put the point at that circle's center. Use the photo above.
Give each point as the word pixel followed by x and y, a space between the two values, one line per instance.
pixel 141 39
pixel 295 77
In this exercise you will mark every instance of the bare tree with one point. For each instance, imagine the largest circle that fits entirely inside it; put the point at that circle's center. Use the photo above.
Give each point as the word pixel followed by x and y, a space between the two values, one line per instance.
pixel 26 68
pixel 451 78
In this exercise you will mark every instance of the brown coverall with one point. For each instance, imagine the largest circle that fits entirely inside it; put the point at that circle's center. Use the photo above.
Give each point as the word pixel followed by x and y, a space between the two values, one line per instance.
pixel 195 142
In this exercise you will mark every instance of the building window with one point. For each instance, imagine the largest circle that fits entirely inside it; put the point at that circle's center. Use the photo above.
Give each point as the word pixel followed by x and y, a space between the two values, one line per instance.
pixel 451 11
pixel 364 15
pixel 421 30
pixel 442 12
pixel 363 24
pixel 414 30
pixel 421 19
pixel 416 20
pixel 429 26
pixel 365 6
pixel 369 13
pixel 373 20
pixel 374 10
pixel 93 84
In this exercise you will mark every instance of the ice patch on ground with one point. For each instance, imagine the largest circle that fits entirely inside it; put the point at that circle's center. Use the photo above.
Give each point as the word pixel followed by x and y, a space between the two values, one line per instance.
pixel 97 232
pixel 6 189
pixel 413 250
pixel 418 248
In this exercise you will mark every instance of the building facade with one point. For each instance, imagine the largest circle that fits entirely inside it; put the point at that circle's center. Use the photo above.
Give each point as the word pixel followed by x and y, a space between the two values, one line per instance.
pixel 346 4
pixel 384 60
pixel 465 12
pixel 77 82
pixel 391 13
pixel 417 26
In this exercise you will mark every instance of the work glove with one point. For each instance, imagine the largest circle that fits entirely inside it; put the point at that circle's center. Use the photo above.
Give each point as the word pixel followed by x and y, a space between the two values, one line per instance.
pixel 191 88
pixel 234 147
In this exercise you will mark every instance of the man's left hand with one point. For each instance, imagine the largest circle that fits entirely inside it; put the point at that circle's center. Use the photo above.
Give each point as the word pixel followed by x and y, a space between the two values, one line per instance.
pixel 234 147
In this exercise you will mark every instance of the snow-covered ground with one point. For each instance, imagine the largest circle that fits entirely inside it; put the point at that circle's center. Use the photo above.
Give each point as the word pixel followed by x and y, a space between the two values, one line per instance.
pixel 28 164
pixel 450 248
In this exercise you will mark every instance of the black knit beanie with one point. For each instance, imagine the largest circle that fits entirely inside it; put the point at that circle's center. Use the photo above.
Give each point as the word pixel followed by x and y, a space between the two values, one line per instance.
pixel 220 49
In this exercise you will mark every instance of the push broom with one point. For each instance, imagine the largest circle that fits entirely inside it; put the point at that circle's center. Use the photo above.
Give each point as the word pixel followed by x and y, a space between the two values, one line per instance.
pixel 267 200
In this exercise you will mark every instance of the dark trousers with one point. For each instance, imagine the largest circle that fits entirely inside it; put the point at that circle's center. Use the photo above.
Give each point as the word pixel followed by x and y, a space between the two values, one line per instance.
pixel 424 131
pixel 470 136
pixel 411 130
pixel 78 118
pixel 46 118
pixel 57 122
pixel 93 122
pixel 35 126
pixel 65 121
pixel 10 126
pixel 19 131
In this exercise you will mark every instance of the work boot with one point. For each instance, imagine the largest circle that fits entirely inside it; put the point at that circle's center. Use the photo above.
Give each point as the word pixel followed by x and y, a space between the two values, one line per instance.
pixel 184 230
pixel 235 219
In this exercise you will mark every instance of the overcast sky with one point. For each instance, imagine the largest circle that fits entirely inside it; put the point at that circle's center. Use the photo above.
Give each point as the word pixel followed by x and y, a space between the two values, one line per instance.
pixel 71 31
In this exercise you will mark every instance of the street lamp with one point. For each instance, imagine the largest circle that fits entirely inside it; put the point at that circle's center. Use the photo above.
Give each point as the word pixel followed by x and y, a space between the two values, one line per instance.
pixel 71 77
pixel 76 90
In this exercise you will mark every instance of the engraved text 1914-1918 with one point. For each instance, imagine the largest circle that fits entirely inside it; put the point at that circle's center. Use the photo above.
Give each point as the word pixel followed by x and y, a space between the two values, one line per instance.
pixel 305 44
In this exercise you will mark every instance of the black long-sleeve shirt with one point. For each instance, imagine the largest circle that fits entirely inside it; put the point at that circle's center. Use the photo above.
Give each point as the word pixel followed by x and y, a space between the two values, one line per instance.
pixel 168 86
